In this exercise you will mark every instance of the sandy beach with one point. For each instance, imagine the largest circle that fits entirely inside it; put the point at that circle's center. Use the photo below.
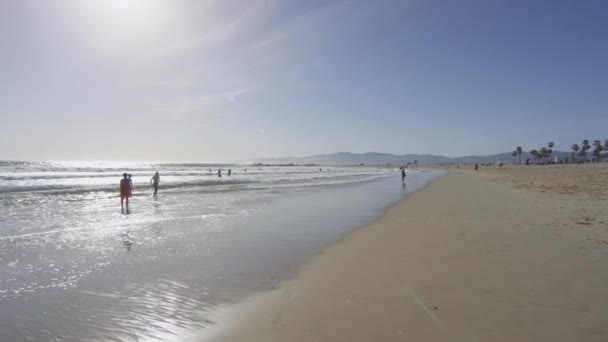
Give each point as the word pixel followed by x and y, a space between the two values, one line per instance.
pixel 503 254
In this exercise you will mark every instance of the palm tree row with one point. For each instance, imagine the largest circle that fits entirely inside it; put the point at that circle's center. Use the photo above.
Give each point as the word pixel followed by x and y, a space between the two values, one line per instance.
pixel 596 153
pixel 544 153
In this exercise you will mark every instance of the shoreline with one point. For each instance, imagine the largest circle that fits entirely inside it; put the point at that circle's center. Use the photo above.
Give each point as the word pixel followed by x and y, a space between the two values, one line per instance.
pixel 163 270
pixel 464 259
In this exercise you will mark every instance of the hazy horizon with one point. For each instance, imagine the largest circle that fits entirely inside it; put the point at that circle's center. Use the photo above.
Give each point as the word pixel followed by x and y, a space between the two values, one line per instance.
pixel 219 81
pixel 169 161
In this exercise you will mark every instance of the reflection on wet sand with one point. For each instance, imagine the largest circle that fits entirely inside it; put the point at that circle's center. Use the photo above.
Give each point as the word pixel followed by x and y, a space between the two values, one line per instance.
pixel 157 273
pixel 127 240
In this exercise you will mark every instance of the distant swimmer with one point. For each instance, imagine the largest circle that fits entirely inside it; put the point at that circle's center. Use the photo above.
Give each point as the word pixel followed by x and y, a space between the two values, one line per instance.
pixel 403 174
pixel 155 180
pixel 125 190
pixel 219 173
pixel 229 172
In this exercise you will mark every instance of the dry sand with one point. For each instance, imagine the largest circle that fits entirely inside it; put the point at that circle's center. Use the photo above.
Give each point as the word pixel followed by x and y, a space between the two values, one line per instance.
pixel 503 254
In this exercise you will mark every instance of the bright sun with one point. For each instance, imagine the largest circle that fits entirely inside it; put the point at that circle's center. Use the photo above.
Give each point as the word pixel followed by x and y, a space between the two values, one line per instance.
pixel 124 21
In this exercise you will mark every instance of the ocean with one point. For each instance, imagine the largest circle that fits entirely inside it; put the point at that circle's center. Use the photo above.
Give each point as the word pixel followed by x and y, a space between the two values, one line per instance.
pixel 75 268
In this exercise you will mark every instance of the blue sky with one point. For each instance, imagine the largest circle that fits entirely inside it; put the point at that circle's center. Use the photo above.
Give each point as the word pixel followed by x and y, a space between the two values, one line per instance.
pixel 239 80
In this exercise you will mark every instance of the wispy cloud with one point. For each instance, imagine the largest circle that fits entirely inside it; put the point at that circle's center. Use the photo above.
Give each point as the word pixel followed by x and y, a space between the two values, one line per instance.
pixel 198 107
pixel 205 55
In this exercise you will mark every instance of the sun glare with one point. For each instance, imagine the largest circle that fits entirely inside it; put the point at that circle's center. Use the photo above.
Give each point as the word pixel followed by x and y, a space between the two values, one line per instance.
pixel 124 21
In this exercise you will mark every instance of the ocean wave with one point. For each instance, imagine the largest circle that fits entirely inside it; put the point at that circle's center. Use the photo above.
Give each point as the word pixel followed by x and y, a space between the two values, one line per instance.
pixel 49 178
pixel 118 174
pixel 198 186
pixel 70 189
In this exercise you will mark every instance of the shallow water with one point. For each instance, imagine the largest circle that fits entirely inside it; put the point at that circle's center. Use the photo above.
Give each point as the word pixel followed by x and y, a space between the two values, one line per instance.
pixel 74 268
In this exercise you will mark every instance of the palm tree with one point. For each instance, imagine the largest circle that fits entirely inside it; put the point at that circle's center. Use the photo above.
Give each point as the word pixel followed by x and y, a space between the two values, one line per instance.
pixel 597 151
pixel 544 153
pixel 534 153
pixel 519 150
pixel 585 148
pixel 575 149
pixel 549 150
pixel 514 154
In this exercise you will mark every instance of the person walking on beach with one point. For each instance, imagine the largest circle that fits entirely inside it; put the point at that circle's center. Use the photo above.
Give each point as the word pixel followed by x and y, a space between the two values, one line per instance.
pixel 125 191
pixel 403 173
pixel 476 166
pixel 155 180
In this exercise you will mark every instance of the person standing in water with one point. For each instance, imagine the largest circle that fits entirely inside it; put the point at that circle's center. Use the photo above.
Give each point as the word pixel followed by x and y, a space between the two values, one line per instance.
pixel 403 173
pixel 229 172
pixel 125 191
pixel 219 173
pixel 130 185
pixel 155 180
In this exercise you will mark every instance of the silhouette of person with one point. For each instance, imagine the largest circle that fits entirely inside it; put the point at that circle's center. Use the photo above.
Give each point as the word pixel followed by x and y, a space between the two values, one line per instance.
pixel 229 172
pixel 130 184
pixel 476 166
pixel 125 191
pixel 219 173
pixel 403 174
pixel 155 180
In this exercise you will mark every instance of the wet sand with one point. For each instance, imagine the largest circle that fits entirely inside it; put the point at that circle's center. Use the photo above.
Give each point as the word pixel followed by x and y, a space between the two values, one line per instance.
pixel 511 254
pixel 93 274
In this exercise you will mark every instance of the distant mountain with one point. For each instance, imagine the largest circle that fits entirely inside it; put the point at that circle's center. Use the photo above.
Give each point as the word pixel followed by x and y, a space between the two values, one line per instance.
pixel 376 158
pixel 346 158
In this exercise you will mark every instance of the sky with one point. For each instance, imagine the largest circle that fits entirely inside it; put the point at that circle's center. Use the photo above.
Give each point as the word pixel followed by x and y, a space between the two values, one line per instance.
pixel 212 81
